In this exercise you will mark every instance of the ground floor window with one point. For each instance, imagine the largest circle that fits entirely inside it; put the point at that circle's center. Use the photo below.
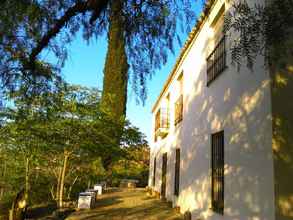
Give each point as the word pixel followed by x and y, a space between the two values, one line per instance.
pixel 217 163
pixel 177 172
pixel 164 176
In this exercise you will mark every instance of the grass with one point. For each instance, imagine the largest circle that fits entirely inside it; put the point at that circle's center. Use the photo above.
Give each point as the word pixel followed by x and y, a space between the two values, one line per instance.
pixel 127 205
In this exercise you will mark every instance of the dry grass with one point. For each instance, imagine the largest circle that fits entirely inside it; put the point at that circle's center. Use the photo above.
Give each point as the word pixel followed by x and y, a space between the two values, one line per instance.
pixel 127 205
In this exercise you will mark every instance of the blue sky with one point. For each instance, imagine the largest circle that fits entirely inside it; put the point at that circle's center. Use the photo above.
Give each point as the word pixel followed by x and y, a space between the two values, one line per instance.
pixel 85 67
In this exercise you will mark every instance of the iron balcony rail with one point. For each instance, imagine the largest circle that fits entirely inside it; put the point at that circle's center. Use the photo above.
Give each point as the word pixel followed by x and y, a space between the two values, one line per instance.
pixel 216 61
pixel 162 119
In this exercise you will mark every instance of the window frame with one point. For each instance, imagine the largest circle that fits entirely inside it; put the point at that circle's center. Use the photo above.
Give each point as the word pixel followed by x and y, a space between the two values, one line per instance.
pixel 217 61
pixel 154 171
pixel 178 110
pixel 162 121
pixel 217 172
pixel 177 172
pixel 164 175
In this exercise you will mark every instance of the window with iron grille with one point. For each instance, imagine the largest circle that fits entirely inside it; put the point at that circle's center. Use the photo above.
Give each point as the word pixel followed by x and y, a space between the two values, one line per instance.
pixel 179 110
pixel 216 61
pixel 177 172
pixel 218 172
pixel 154 171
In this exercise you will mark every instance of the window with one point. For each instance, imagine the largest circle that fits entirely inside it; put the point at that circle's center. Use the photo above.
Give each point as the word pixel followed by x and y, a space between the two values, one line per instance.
pixel 218 172
pixel 158 120
pixel 162 119
pixel 161 123
pixel 179 101
pixel 177 172
pixel 179 110
pixel 154 174
pixel 180 82
pixel 216 61
pixel 164 176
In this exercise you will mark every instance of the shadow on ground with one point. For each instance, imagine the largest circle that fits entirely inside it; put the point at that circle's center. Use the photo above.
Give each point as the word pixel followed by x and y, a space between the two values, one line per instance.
pixel 40 211
pixel 127 205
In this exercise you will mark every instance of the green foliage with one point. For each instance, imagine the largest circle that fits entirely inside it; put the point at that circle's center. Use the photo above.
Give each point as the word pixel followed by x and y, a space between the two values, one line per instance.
pixel 135 165
pixel 28 28
pixel 135 161
pixel 48 126
pixel 140 35
pixel 22 24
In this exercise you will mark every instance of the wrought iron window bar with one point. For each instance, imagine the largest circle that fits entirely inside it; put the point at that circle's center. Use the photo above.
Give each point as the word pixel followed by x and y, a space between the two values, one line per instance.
pixel 218 172
pixel 216 61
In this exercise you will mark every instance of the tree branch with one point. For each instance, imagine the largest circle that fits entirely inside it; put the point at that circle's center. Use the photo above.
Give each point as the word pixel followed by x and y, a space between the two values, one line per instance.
pixel 96 6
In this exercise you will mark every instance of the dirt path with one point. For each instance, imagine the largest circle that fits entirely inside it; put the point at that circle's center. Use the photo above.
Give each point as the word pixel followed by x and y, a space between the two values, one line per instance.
pixel 127 205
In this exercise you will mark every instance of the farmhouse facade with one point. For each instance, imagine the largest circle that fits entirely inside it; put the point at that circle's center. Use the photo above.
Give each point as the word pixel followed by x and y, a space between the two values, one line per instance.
pixel 222 143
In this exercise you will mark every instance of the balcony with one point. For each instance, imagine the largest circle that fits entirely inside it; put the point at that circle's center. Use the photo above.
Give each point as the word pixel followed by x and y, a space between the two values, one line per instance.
pixel 162 122
pixel 179 110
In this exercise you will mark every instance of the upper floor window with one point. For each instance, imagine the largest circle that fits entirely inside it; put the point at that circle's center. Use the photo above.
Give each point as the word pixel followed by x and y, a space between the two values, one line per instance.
pixel 179 101
pixel 216 61
pixel 161 122
pixel 179 110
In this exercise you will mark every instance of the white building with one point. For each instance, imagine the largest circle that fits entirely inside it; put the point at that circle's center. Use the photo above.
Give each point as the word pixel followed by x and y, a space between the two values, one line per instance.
pixel 222 138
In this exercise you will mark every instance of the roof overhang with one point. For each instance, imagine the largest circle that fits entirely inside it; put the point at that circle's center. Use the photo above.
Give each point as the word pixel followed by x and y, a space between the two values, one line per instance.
pixel 191 37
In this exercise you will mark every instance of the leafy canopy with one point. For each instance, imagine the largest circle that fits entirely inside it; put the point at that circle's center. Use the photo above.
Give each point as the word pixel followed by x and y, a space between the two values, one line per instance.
pixel 44 127
pixel 29 29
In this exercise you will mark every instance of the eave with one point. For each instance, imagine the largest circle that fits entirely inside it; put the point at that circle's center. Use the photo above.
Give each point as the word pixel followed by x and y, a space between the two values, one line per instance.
pixel 191 37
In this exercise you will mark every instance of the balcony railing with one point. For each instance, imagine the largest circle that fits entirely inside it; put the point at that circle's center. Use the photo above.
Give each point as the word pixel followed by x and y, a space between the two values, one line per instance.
pixel 179 110
pixel 216 61
pixel 162 122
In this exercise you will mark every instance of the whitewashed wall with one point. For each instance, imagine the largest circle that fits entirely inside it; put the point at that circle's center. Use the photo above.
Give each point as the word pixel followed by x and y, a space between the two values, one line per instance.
pixel 238 103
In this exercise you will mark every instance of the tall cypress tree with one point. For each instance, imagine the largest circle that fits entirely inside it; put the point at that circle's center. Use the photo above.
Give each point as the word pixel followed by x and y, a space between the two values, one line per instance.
pixel 114 95
pixel 141 34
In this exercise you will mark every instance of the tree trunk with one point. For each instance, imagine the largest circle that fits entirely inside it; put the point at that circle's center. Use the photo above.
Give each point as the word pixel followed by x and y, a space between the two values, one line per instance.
pixel 3 179
pixel 58 183
pixel 114 96
pixel 89 184
pixel 27 186
pixel 53 194
pixel 70 188
pixel 66 155
pixel 1 192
